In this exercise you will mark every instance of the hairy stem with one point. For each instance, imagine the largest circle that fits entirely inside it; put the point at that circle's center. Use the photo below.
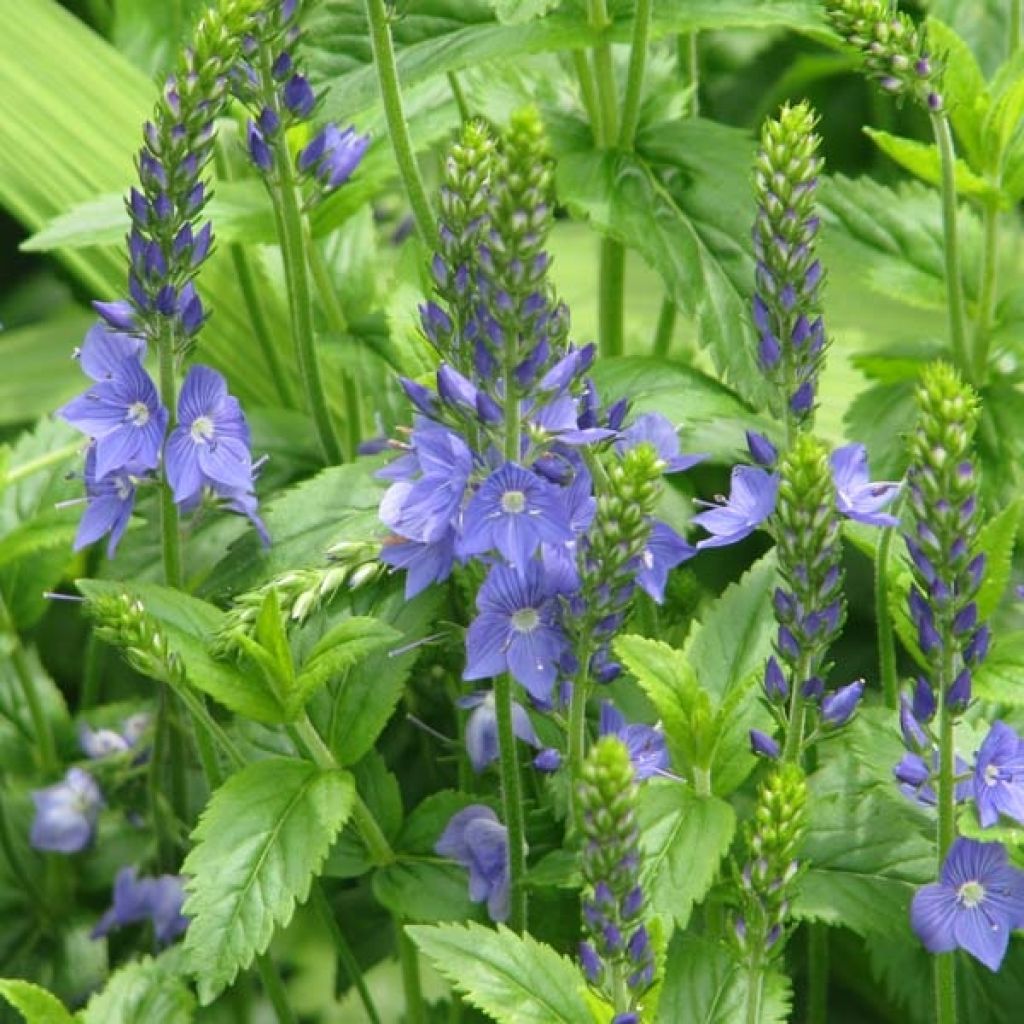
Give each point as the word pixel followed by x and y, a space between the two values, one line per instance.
pixel 170 531
pixel 588 91
pixel 512 803
pixel 635 77
pixel 398 129
pixel 987 291
pixel 954 282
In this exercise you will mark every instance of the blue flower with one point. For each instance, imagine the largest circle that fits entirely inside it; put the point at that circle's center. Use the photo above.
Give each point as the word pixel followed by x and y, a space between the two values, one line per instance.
pixel 514 512
pixel 645 743
pixel 333 155
pixel 210 444
pixel 66 813
pixel 123 415
pixel 838 708
pixel 104 351
pixel 157 900
pixel 482 728
pixel 664 551
pixel 915 779
pixel 999 776
pixel 976 903
pixel 763 745
pixel 856 496
pixel 109 504
pixel 424 562
pixel 654 429
pixel 477 840
pixel 517 630
pixel 752 495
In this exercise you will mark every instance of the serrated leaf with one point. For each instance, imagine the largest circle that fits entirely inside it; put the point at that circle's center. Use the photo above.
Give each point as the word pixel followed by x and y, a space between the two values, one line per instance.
pixel 513 979
pixel 189 625
pixel 259 844
pixel 35 1004
pixel 683 838
pixel 425 891
pixel 706 984
pixel 996 540
pixel 141 993
pixel 922 160
pixel 1000 677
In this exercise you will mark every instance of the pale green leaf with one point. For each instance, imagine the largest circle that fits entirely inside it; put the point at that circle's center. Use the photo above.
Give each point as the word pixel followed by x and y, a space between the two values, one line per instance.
pixel 141 993
pixel 259 844
pixel 1000 677
pixel 35 1004
pixel 513 979
pixel 996 540
pixel 683 838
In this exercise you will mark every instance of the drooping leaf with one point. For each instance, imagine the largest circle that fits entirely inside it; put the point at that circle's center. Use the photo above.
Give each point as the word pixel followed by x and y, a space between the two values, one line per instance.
pixel 706 984
pixel 140 993
pixel 259 844
pixel 683 838
pixel 35 1004
pixel 513 979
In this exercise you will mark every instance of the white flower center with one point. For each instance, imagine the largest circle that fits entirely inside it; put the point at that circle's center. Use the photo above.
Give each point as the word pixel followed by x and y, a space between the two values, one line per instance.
pixel 991 775
pixel 513 502
pixel 123 488
pixel 202 429
pixel 525 620
pixel 138 414
pixel 970 894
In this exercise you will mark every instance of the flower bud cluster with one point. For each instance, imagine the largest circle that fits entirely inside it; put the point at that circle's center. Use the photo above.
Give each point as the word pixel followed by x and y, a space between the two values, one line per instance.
pixel 271 81
pixel 895 50
pixel 616 955
pixel 767 880
pixel 787 303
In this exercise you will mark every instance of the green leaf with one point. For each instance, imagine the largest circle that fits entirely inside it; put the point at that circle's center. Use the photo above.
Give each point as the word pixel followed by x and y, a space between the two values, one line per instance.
pixel 964 89
pixel 513 979
pixel 1000 677
pixel 683 838
pixel 880 417
pixel 519 12
pixel 666 203
pixel 1003 118
pixel 425 891
pixel 996 540
pixel 705 984
pixel 189 625
pixel 141 993
pixel 344 647
pixel 35 1004
pixel 260 842
pixel 149 33
pixel 922 159
pixel 982 24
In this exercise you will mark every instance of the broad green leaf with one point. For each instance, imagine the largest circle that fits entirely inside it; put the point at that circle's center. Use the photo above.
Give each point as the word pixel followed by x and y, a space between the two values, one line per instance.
pixel 437 36
pixel 922 159
pixel 513 979
pixel 711 417
pixel 141 993
pixel 338 504
pixel 1002 123
pixel 964 90
pixel 1000 677
pixel 189 625
pixel 425 891
pixel 732 639
pixel 150 34
pixel 667 203
pixel 880 417
pixel 683 838
pixel 996 540
pixel 35 1004
pixel 46 56
pixel 259 844
pixel 982 24
pixel 706 984
pixel 518 12
pixel 348 644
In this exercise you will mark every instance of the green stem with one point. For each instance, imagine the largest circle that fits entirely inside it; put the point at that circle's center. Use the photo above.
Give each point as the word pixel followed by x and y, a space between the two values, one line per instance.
pixel 512 803
pixel 275 990
pixel 755 987
pixel 588 91
pixel 415 1008
pixel 666 328
pixel 954 282
pixel 165 840
pixel 170 532
pixel 817 971
pixel 611 328
pixel 986 291
pixel 41 462
pixel 578 721
pixel 92 674
pixel 604 71
pixel 883 620
pixel 47 746
pixel 797 709
pixel 465 114
pixel 346 957
pixel 398 129
pixel 300 299
pixel 635 77
pixel 245 274
pixel 338 323
pixel 689 62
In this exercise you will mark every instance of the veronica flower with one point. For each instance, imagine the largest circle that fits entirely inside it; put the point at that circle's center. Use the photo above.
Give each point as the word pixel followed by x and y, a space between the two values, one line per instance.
pixel 856 496
pixel 424 562
pixel 333 155
pixel 915 779
pixel 157 900
pixel 838 708
pixel 645 744
pixel 123 415
pixel 66 813
pixel 665 550
pixel 976 903
pixel 477 840
pixel 999 776
pixel 517 630
pixel 482 728
pixel 103 351
pixel 654 429
pixel 210 444
pixel 99 743
pixel 109 504
pixel 751 501
pixel 514 512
